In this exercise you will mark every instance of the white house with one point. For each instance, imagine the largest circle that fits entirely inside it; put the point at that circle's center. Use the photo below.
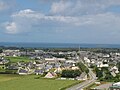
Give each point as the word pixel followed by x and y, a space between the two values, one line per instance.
pixel 50 75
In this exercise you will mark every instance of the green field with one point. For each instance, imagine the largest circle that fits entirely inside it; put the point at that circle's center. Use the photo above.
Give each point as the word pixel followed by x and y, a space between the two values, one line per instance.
pixel 16 82
pixel 17 59
pixel 6 77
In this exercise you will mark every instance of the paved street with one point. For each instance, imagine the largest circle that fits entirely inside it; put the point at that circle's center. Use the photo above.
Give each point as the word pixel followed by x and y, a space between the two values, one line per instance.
pixel 85 83
pixel 104 86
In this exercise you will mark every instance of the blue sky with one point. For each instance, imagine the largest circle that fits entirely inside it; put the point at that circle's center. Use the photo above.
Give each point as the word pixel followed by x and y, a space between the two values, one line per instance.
pixel 60 21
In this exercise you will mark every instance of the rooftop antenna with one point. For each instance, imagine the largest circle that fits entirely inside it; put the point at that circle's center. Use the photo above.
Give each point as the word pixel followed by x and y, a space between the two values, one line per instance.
pixel 79 52
pixel 79 49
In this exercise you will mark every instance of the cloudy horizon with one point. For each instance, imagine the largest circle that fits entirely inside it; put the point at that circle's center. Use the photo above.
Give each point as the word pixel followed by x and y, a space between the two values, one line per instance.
pixel 60 21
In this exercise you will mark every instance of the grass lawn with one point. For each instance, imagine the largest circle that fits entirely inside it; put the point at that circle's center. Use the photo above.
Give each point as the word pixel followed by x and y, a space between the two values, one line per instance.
pixel 17 59
pixel 9 82
pixel 93 85
pixel 7 77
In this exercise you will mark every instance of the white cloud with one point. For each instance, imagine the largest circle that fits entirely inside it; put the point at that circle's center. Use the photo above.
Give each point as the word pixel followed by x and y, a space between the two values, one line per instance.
pixel 81 7
pixel 27 13
pixel 78 18
pixel 29 21
pixel 60 7
pixel 11 28
pixel 3 5
pixel 35 17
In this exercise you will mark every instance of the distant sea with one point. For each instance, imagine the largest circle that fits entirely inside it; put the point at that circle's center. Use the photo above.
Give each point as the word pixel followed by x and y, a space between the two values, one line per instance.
pixel 57 45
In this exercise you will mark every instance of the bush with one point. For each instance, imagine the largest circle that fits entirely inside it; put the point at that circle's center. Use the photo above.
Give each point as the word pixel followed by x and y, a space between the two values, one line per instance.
pixel 10 71
pixel 99 74
pixel 70 73
pixel 36 77
pixel 82 67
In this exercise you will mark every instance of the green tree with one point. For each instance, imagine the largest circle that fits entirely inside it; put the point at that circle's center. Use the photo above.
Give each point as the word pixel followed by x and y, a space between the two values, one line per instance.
pixel 70 73
pixel 1 50
pixel 99 74
pixel 118 64
pixel 82 67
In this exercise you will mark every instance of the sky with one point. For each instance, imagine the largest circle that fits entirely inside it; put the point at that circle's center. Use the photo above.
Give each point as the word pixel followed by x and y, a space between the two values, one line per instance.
pixel 60 21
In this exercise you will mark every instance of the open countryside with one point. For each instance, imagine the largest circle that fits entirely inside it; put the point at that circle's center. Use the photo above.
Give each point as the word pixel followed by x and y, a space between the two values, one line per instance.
pixel 16 82
pixel 59 69
pixel 59 44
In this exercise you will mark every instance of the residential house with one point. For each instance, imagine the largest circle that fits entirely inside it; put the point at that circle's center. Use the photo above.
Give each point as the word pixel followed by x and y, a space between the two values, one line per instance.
pixel 115 86
pixel 39 72
pixel 51 75
pixel 23 72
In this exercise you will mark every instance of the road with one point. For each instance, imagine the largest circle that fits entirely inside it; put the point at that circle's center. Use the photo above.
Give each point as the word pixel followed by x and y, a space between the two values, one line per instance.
pixel 85 83
pixel 104 86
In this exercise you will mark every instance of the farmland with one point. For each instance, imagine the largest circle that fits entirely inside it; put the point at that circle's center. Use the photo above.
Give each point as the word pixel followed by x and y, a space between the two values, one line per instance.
pixel 16 82
pixel 17 59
